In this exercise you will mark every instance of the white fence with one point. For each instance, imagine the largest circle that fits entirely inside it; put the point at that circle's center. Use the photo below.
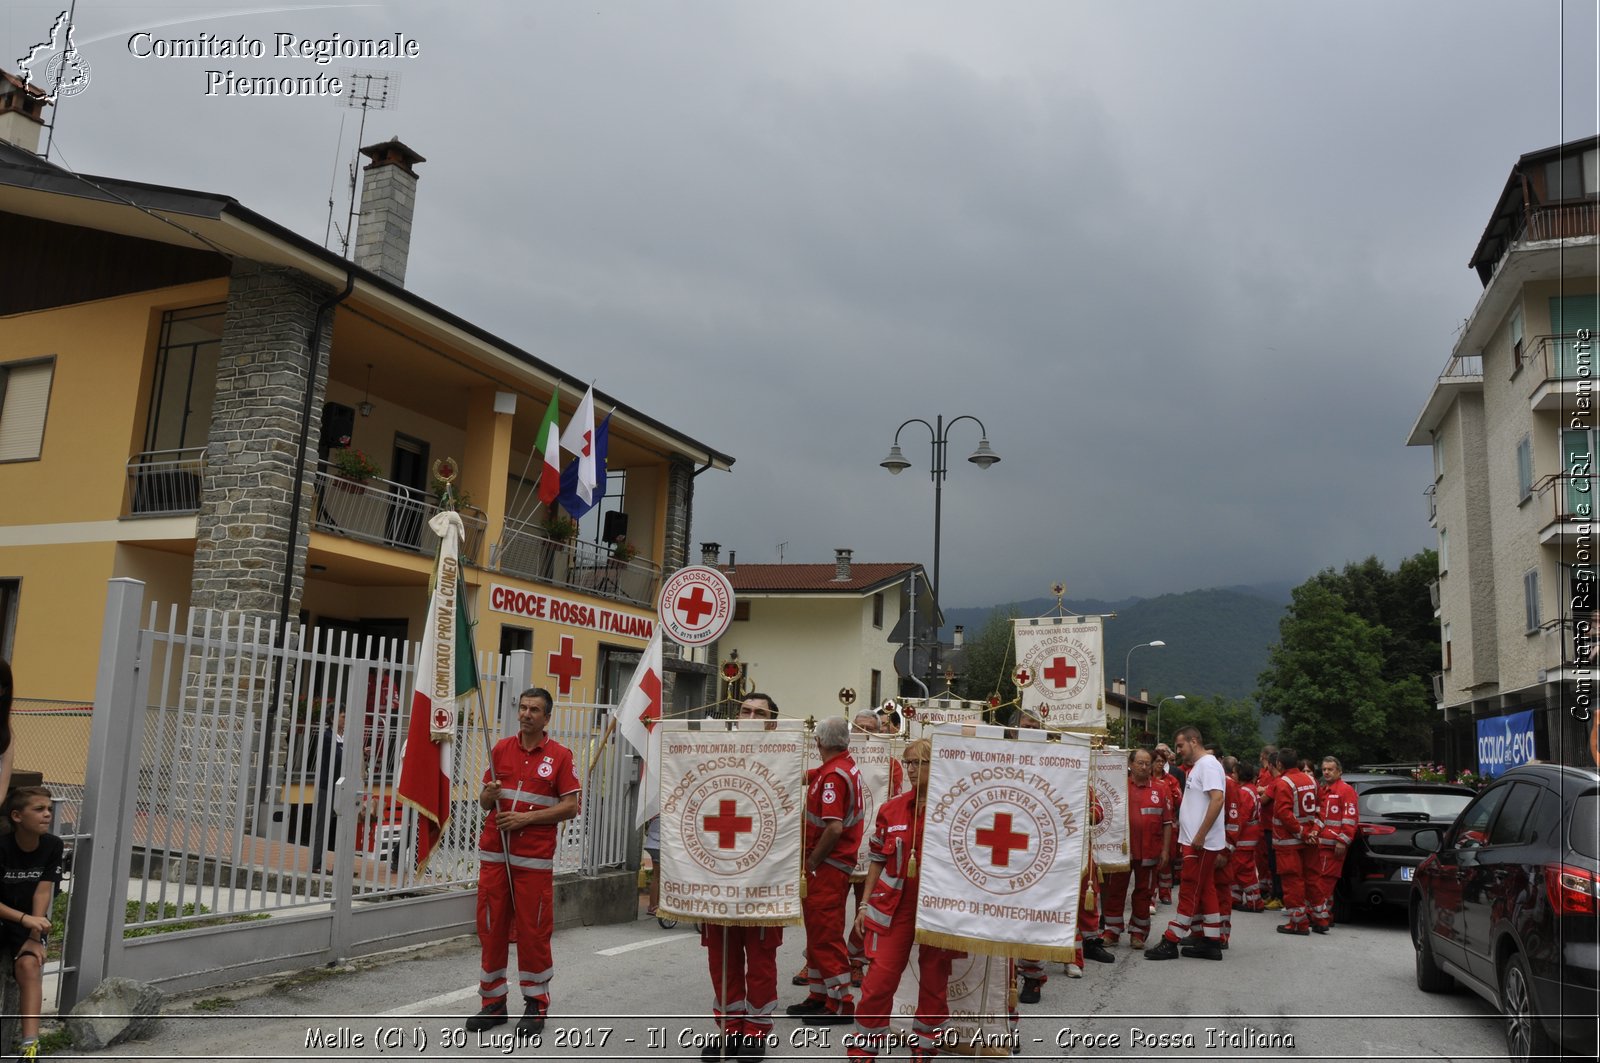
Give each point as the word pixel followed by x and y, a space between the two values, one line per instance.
pixel 202 850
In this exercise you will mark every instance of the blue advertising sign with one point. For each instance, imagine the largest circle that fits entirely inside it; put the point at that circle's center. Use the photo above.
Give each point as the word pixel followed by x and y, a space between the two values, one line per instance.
pixel 1504 742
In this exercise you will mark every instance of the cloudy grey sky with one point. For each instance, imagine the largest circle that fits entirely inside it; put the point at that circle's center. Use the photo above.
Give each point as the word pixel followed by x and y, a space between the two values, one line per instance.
pixel 1195 265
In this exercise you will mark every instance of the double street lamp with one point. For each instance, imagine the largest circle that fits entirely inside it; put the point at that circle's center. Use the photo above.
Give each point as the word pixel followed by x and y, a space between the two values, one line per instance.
pixel 896 463
pixel 1127 689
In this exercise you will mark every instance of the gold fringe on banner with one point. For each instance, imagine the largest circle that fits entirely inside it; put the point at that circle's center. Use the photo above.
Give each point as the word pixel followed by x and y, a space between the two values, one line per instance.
pixel 1013 949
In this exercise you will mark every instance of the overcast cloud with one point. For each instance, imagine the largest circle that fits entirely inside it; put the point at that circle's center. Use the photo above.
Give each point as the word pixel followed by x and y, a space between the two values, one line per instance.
pixel 1195 266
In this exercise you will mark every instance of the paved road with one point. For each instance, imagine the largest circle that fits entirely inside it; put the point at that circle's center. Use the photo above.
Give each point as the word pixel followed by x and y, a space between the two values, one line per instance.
pixel 622 991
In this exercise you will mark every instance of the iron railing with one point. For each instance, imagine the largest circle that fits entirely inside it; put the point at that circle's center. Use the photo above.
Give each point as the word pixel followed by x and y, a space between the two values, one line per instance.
pixel 524 551
pixel 1568 496
pixel 386 513
pixel 162 482
pixel 1567 357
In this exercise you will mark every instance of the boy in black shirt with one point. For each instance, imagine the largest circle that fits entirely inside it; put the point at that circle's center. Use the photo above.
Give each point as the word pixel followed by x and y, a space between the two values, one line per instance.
pixel 30 871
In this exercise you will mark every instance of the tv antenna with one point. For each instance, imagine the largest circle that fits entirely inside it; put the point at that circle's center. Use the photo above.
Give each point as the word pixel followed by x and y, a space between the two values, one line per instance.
pixel 369 90
pixel 780 550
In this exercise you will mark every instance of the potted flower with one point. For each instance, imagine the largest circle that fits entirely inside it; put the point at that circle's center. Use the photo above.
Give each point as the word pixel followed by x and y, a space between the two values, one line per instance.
pixel 622 551
pixel 353 468
pixel 559 528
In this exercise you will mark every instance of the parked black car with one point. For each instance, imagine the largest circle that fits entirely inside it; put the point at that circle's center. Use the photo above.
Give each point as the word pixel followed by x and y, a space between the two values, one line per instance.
pixel 1506 905
pixel 1380 864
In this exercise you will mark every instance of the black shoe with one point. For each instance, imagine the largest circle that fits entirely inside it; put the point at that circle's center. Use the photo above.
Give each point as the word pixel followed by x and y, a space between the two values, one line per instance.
pixel 1288 928
pixel 532 1022
pixel 1095 950
pixel 712 1052
pixel 493 1015
pixel 830 1018
pixel 1167 950
pixel 1193 941
pixel 752 1048
pixel 808 1006
pixel 1030 991
pixel 1223 944
pixel 1203 952
pixel 1315 929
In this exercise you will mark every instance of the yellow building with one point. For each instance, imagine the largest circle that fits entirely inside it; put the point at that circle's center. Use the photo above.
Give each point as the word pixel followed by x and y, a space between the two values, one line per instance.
pixel 184 385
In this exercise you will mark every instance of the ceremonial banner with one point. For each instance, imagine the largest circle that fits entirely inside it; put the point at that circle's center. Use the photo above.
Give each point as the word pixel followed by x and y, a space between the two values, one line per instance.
pixel 979 1023
pixel 1004 841
pixel 1064 661
pixel 927 712
pixel 876 759
pixel 731 814
pixel 1109 779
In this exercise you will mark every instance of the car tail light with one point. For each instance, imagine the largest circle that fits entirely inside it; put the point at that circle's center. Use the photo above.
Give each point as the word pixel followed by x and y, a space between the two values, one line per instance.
pixel 1572 890
pixel 1376 828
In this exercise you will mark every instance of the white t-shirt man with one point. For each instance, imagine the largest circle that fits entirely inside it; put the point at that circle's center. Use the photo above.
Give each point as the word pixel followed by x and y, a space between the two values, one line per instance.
pixel 1205 777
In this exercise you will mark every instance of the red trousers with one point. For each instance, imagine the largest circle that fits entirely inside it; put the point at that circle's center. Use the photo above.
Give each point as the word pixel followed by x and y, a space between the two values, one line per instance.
pixel 1197 896
pixel 889 952
pixel 1088 917
pixel 1224 886
pixel 1292 867
pixel 827 958
pixel 1115 893
pixel 534 922
pixel 1246 881
pixel 744 975
pixel 1321 878
pixel 857 940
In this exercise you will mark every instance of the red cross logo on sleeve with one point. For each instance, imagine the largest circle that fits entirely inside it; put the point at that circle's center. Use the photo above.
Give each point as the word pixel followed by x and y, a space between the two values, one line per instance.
pixel 693 606
pixel 727 825
pixel 1000 839
pixel 1059 672
pixel 565 666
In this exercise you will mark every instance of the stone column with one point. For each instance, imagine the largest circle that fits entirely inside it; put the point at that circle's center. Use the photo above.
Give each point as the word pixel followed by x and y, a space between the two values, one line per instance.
pixel 243 527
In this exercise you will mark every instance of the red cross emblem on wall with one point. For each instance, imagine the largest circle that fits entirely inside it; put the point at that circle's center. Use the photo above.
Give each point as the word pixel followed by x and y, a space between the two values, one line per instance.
pixel 565 666
pixel 1000 839
pixel 693 606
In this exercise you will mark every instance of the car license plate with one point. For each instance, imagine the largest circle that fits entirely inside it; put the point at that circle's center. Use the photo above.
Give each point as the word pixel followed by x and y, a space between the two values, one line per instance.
pixel 1406 873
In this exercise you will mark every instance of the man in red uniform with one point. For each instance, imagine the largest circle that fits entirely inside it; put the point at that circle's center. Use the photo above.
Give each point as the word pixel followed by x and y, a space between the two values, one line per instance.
pixel 889 920
pixel 1202 835
pixel 832 838
pixel 869 723
pixel 1246 887
pixel 531 789
pixel 1294 824
pixel 1225 867
pixel 743 959
pixel 1150 826
pixel 1266 862
pixel 1173 783
pixel 1340 819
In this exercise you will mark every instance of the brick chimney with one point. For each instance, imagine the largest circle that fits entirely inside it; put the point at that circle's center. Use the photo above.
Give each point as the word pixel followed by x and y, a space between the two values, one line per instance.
pixel 388 198
pixel 21 112
pixel 841 565
pixel 711 554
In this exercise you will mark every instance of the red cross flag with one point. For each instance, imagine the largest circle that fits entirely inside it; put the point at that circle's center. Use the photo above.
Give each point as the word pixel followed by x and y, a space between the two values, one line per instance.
pixel 637 715
pixel 1063 658
pixel 579 439
pixel 446 673
pixel 1003 843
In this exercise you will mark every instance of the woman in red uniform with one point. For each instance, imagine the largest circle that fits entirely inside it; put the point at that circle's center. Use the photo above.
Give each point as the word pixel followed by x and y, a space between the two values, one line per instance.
pixel 889 919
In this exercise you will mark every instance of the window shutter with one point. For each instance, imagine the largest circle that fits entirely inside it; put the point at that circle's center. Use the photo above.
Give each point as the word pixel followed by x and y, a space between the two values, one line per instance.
pixel 27 394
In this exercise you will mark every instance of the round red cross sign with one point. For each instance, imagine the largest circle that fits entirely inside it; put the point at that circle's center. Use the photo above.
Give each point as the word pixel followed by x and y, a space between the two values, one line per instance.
pixel 696 605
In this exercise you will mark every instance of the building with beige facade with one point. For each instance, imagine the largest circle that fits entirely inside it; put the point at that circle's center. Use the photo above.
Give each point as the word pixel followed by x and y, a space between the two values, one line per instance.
pixel 1512 426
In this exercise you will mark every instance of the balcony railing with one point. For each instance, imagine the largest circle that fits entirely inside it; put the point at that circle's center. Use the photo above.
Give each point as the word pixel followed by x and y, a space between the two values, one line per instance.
pixel 1568 496
pixel 1433 593
pixel 1432 493
pixel 524 551
pixel 1568 357
pixel 1562 222
pixel 165 482
pixel 1563 645
pixel 386 513
pixel 1462 369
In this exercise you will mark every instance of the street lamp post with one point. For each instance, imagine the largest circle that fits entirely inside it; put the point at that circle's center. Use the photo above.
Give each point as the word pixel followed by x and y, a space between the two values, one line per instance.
pixel 1163 701
pixel 896 463
pixel 1127 690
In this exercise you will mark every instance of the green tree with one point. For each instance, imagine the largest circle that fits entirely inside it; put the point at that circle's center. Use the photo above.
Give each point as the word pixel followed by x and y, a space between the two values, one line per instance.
pixel 1338 676
pixel 990 660
pixel 1233 723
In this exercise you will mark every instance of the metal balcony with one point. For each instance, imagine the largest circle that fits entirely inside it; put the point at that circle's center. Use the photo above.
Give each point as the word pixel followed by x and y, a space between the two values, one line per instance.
pixel 593 568
pixel 385 513
pixel 165 482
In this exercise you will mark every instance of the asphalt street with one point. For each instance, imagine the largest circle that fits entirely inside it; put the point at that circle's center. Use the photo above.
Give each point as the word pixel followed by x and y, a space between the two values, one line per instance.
pixel 637 991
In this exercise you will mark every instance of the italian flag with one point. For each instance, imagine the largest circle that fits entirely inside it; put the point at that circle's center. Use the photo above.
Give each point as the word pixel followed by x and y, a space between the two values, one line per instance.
pixel 549 443
pixel 446 673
